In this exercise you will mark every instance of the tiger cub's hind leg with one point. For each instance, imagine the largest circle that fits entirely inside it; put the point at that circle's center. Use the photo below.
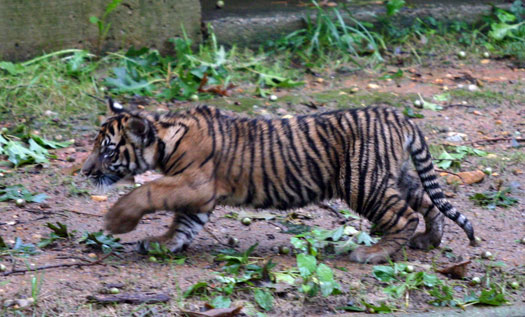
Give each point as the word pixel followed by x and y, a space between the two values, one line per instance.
pixel 397 221
pixel 181 232
pixel 419 200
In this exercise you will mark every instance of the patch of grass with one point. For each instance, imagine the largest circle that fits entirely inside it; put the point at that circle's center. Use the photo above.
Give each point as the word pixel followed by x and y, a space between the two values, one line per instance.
pixel 482 97
pixel 333 33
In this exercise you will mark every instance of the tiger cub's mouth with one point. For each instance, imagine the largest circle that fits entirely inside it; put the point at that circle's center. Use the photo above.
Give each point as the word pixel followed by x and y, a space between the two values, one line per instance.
pixel 105 180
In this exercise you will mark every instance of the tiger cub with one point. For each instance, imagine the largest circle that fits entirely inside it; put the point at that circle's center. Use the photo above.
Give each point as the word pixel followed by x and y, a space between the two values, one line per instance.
pixel 208 158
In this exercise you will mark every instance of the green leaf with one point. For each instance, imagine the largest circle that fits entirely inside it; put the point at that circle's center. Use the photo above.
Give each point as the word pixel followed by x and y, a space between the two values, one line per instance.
pixel 351 308
pixel 284 278
pixel 98 240
pixel 364 238
pixel 125 82
pixel 221 302
pixel 24 248
pixel 12 69
pixel 394 6
pixel 20 192
pixel 442 97
pixel 395 291
pixel 492 297
pixel 94 20
pixel 326 280
pixel 384 273
pixel 501 30
pixel 306 264
pixel 409 112
pixel 264 299
pixel 197 288
pixel 384 308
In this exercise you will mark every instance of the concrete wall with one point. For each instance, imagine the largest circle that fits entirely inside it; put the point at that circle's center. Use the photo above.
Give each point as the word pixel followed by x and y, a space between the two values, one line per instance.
pixel 30 27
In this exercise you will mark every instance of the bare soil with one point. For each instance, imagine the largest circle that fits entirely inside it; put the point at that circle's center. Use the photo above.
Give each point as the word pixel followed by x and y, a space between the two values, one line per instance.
pixel 479 115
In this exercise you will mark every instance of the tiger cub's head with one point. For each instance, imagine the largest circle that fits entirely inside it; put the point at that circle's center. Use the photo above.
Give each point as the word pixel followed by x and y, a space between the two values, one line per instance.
pixel 124 146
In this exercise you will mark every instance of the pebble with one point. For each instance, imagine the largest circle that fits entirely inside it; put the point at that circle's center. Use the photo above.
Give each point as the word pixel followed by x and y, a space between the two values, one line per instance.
pixel 456 137
pixel 472 87
pixel 373 86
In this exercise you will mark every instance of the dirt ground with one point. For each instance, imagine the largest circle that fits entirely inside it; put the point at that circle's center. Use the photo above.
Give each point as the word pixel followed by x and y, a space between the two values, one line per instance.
pixel 480 114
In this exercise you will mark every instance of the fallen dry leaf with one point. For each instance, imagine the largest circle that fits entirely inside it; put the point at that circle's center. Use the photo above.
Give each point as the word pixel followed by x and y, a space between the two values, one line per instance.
pixel 466 178
pixel 216 312
pixel 99 198
pixel 456 271
pixel 72 169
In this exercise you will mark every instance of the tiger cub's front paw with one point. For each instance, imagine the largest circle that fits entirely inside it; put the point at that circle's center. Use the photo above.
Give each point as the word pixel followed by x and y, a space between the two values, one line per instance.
pixel 144 246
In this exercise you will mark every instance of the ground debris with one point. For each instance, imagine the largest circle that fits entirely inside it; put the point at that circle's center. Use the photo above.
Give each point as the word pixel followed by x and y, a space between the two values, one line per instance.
pixel 456 271
pixel 216 312
pixel 129 298
pixel 467 178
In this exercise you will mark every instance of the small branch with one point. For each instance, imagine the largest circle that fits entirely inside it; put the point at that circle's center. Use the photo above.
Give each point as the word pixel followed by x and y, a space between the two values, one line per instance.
pixel 493 140
pixel 53 266
pixel 84 213
pixel 451 173
pixel 146 298
pixel 332 209
pixel 459 105
pixel 278 225
pixel 215 237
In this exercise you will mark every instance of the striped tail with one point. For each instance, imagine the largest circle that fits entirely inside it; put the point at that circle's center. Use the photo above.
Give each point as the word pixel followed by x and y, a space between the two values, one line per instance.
pixel 423 162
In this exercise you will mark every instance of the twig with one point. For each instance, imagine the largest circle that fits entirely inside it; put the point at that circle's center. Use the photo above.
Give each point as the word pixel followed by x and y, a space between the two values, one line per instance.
pixel 459 105
pixel 146 298
pixel 451 173
pixel 332 209
pixel 278 225
pixel 215 237
pixel 85 213
pixel 52 266
pixel 494 140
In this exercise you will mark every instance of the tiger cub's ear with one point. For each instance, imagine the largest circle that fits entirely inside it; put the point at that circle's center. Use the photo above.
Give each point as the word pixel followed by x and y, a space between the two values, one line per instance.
pixel 137 127
pixel 114 107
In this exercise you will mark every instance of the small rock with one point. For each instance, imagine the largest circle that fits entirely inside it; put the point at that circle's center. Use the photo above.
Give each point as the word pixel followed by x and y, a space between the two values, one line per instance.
pixel 273 97
pixel 24 302
pixel 472 87
pixel 373 86
pixel 456 137
pixel 92 255
pixel 50 113
pixel 3 268
pixel 233 242
pixel 9 303
pixel 319 80
pixel 467 178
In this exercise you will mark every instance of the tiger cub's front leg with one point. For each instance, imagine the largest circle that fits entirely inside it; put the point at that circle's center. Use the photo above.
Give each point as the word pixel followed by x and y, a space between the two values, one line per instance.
pixel 182 231
pixel 190 198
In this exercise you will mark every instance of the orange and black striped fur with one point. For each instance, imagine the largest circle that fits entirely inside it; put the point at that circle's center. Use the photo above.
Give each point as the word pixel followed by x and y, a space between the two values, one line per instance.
pixel 208 158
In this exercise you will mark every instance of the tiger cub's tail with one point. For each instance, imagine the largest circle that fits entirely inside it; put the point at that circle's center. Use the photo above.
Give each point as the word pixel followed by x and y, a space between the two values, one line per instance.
pixel 423 162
